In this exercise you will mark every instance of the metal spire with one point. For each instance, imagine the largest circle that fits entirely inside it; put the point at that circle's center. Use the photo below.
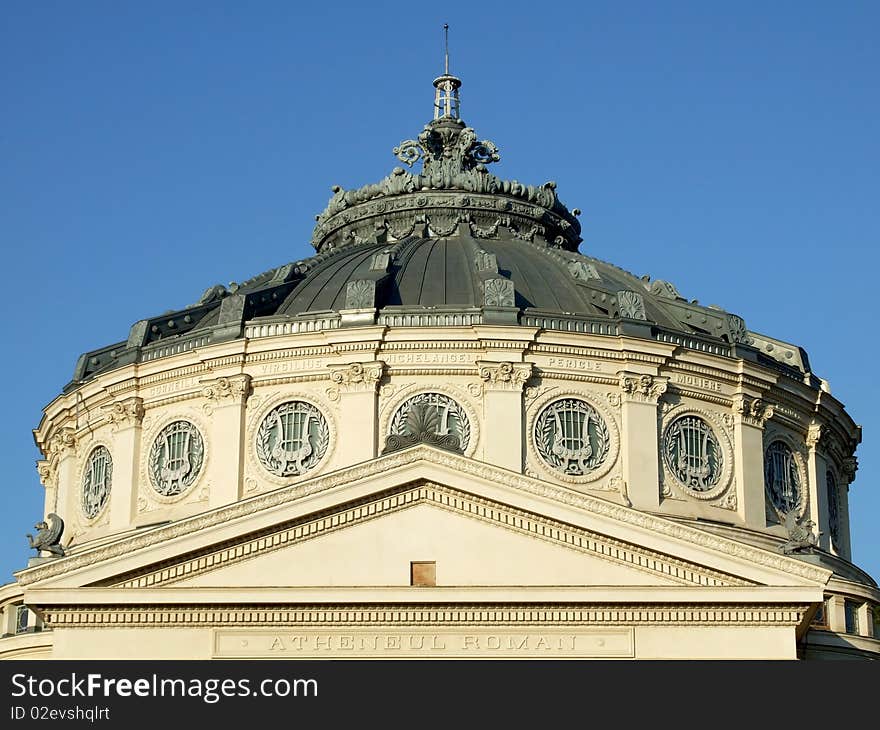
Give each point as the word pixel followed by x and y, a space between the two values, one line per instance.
pixel 446 101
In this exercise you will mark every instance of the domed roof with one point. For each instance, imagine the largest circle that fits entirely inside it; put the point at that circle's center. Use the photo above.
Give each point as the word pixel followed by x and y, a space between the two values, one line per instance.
pixel 450 245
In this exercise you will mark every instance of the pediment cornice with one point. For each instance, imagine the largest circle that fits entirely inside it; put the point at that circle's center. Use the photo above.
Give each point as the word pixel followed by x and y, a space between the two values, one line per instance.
pixel 444 469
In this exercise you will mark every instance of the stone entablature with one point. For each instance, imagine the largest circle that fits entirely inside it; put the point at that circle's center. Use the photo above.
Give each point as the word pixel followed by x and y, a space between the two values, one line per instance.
pixel 227 392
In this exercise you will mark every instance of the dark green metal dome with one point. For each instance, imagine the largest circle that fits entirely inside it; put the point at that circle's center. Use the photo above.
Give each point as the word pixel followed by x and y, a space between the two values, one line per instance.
pixel 451 245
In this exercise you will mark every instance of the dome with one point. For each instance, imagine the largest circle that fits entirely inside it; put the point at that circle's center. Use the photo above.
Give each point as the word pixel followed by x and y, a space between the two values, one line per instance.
pixel 450 245
pixel 449 405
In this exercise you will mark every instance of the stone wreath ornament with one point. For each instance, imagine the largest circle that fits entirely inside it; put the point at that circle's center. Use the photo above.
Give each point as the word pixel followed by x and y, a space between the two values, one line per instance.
pixel 571 437
pixel 292 439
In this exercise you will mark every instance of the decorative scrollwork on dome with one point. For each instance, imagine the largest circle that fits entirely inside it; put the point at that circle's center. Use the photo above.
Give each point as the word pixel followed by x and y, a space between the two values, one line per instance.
pixel 484 153
pixel 360 294
pixel 408 152
pixel 453 144
pixel 498 293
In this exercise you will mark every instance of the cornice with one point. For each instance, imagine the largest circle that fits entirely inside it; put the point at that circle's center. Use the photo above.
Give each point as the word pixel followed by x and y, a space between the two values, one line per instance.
pixel 753 379
pixel 679 363
pixel 558 374
pixel 407 345
pixel 427 370
pixel 701 395
pixel 174 373
pixel 577 351
pixel 458 464
pixel 314 351
pixel 409 614
pixel 452 500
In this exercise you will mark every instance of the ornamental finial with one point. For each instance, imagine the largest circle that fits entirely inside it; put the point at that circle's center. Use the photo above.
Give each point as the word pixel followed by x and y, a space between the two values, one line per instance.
pixel 446 101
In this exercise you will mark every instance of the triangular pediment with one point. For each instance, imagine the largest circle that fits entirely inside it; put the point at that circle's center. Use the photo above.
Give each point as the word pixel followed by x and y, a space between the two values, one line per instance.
pixel 363 526
pixel 469 541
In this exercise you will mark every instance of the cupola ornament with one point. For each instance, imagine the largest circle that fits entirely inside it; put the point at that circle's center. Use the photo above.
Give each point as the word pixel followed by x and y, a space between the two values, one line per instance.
pixel 454 186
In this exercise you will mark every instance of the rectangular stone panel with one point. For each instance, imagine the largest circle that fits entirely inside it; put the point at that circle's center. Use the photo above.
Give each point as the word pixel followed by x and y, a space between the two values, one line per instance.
pixel 423 573
pixel 475 642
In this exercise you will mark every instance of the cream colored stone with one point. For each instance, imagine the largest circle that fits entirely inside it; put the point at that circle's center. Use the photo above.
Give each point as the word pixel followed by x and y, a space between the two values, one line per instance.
pixel 530 562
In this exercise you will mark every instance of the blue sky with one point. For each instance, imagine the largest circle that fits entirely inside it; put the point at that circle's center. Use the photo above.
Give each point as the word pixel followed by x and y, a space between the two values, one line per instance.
pixel 150 150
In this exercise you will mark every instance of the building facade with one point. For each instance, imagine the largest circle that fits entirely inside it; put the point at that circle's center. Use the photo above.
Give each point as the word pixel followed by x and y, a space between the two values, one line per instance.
pixel 447 434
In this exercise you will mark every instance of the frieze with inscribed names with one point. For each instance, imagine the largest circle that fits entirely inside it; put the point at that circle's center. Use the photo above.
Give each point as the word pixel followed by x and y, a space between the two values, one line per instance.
pixel 291 366
pixel 695 381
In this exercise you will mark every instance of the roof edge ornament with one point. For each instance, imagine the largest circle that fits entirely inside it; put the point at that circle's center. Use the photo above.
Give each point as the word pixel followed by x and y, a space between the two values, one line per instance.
pixel 447 148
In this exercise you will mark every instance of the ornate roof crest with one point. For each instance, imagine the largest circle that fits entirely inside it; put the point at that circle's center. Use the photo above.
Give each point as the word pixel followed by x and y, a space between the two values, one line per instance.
pixel 447 148
pixel 454 161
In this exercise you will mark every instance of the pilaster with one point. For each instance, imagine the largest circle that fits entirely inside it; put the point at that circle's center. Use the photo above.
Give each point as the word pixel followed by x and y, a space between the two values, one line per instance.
pixel 850 467
pixel 225 402
pixel 504 438
pixel 63 456
pixel 639 421
pixel 355 387
pixel 866 620
pixel 750 414
pixel 816 476
pixel 125 418
pixel 49 479
pixel 836 607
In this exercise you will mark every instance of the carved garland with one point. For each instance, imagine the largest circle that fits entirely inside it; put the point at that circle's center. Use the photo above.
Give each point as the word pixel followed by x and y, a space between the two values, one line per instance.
pixel 82 517
pixel 194 452
pixel 310 456
pixel 608 438
pixel 148 496
pixel 672 485
pixel 258 473
pixel 800 463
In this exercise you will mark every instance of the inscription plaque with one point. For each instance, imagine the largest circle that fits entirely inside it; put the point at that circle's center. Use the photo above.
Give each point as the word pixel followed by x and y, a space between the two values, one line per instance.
pixel 528 642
